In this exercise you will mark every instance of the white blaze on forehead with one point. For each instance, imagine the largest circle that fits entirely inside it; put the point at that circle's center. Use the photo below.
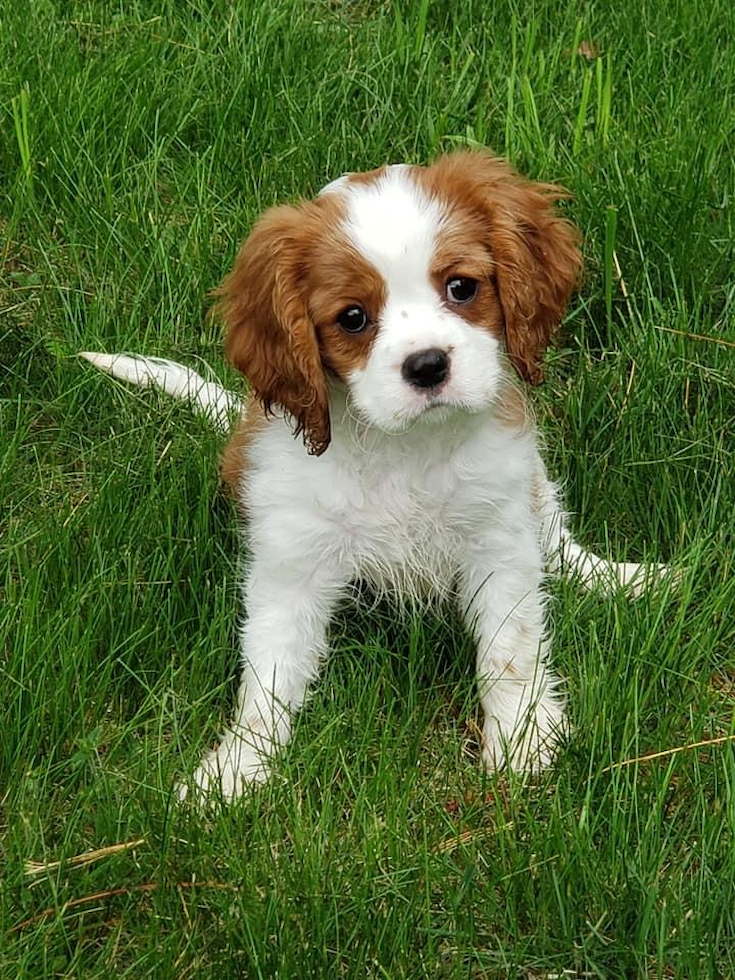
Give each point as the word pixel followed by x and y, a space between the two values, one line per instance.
pixel 392 223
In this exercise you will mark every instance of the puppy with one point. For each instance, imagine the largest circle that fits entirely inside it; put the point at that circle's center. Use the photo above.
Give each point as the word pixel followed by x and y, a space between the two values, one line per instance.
pixel 389 323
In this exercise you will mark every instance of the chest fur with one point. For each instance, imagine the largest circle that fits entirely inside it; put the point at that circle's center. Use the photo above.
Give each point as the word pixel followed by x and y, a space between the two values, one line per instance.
pixel 410 525
pixel 402 515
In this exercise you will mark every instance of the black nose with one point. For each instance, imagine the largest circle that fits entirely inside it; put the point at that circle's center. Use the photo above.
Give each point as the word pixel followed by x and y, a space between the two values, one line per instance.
pixel 427 368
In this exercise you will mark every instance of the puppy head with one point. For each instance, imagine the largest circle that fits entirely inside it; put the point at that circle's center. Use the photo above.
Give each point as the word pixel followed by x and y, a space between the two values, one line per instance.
pixel 402 285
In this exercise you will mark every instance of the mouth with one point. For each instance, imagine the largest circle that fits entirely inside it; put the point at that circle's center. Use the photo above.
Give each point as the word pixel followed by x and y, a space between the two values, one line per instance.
pixel 435 401
pixel 435 408
pixel 441 405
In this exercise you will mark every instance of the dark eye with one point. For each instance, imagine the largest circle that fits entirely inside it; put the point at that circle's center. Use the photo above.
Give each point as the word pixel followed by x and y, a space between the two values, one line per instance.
pixel 462 289
pixel 353 320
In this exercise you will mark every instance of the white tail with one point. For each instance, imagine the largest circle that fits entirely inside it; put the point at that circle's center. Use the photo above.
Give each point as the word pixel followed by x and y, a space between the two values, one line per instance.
pixel 566 557
pixel 207 398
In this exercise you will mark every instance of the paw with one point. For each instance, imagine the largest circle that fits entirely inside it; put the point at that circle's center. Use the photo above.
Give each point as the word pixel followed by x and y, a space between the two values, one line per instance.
pixel 239 762
pixel 526 737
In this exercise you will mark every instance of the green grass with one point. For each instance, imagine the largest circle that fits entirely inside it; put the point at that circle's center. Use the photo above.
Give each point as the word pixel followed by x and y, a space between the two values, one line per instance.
pixel 138 142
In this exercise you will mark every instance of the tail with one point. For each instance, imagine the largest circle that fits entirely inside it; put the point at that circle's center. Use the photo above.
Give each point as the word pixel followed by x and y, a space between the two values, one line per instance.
pixel 206 398
pixel 566 557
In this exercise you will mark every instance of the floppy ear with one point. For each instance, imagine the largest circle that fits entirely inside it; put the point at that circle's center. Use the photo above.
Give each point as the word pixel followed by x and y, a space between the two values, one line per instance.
pixel 538 265
pixel 270 336
pixel 537 261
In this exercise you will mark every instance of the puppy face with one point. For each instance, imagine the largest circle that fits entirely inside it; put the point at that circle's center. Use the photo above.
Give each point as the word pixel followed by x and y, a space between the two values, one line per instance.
pixel 404 285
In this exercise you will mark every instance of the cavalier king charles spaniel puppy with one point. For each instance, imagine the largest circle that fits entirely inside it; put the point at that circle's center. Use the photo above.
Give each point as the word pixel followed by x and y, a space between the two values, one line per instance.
pixel 390 323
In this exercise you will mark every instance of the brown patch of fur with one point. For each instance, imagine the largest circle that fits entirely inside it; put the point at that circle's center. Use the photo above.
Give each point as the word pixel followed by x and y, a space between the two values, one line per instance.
pixel 535 260
pixel 460 252
pixel 339 278
pixel 234 459
pixel 270 335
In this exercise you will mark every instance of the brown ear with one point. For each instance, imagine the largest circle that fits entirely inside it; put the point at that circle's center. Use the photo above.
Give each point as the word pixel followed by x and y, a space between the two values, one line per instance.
pixel 535 252
pixel 270 336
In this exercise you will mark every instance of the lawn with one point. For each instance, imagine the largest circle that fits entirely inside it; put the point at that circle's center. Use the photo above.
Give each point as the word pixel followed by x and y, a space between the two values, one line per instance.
pixel 138 143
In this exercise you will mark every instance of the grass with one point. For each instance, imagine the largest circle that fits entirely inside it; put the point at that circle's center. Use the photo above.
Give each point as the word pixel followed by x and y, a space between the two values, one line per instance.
pixel 139 142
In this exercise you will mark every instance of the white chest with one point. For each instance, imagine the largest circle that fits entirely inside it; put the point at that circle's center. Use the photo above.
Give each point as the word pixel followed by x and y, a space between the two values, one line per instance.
pixel 402 514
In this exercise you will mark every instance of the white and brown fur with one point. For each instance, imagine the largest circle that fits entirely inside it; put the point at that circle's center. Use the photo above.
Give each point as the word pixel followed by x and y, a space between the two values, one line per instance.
pixel 418 469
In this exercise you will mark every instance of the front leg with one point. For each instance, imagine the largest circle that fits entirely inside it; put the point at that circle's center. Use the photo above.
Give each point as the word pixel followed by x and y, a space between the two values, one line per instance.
pixel 283 642
pixel 503 605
